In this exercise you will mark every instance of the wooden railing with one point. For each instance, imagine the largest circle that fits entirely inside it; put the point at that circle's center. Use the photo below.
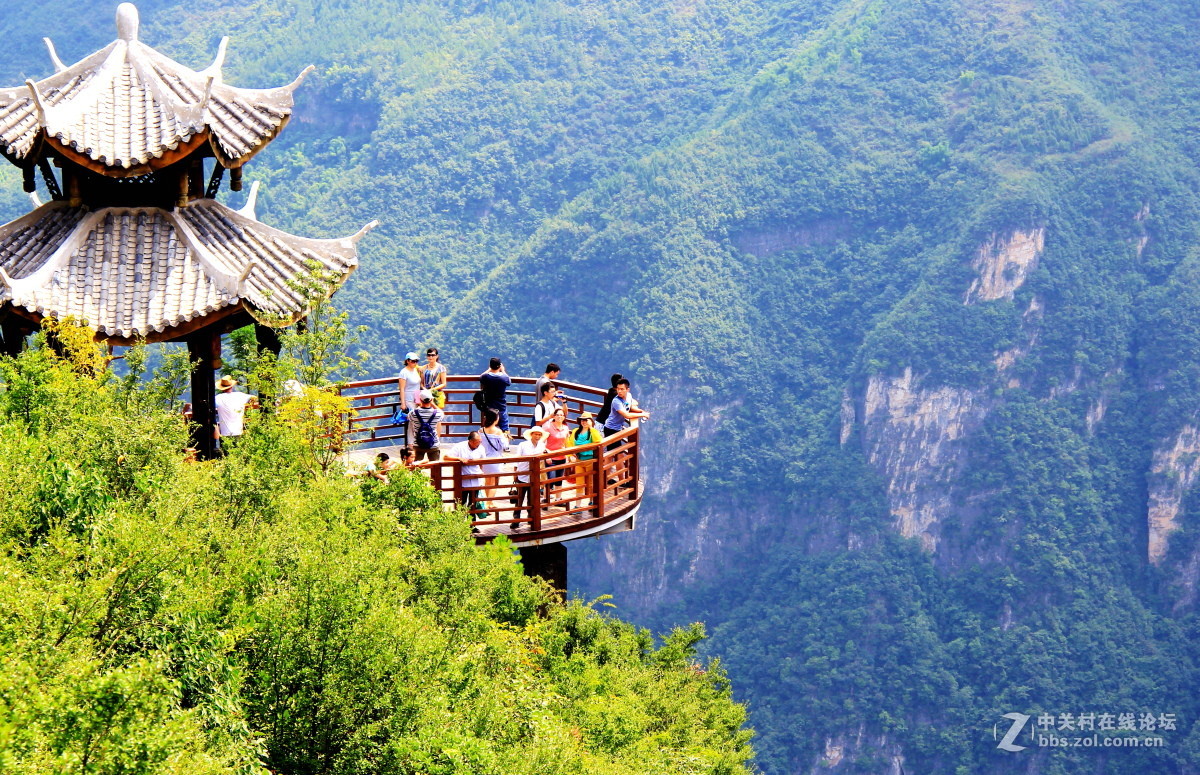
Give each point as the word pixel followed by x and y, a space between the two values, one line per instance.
pixel 568 496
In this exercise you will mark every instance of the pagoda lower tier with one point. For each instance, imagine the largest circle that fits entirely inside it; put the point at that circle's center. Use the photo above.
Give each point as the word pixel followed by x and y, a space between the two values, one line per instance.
pixel 152 274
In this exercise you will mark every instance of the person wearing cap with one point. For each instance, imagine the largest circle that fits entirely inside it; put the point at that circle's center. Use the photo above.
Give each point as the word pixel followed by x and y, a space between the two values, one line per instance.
pixel 425 416
pixel 433 377
pixel 533 445
pixel 409 387
pixel 231 409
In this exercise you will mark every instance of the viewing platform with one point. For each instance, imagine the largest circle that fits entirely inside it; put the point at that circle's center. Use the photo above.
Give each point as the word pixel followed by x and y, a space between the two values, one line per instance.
pixel 580 497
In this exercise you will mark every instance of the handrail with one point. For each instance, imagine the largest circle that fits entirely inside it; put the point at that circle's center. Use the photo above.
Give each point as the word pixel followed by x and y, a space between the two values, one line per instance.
pixel 566 497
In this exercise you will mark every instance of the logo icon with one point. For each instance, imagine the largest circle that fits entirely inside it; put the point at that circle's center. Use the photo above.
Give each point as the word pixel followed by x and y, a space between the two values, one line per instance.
pixel 1018 723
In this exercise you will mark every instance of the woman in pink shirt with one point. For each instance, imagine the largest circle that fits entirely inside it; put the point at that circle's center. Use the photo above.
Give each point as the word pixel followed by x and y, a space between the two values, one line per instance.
pixel 556 441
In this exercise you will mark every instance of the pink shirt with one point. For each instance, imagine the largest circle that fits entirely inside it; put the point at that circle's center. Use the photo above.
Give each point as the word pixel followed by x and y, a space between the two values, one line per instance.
pixel 556 439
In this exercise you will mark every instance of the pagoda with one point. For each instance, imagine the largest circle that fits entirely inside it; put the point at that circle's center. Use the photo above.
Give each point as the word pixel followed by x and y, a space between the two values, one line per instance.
pixel 133 242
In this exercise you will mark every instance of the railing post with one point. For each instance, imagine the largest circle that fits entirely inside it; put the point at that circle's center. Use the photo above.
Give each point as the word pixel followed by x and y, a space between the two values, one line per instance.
pixel 634 462
pixel 458 489
pixel 535 493
pixel 598 481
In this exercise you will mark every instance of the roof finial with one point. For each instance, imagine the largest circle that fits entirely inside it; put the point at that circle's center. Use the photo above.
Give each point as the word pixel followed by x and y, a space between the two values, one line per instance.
pixel 37 200
pixel 37 101
pixel 291 87
pixel 248 209
pixel 215 68
pixel 58 63
pixel 362 232
pixel 127 22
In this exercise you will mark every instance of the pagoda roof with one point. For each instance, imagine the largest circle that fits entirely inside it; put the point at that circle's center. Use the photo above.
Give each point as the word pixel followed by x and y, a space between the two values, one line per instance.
pixel 128 110
pixel 147 272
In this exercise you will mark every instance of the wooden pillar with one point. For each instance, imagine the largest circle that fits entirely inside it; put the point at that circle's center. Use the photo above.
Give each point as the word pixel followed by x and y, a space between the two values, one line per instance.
pixel 548 561
pixel 268 339
pixel 13 332
pixel 204 350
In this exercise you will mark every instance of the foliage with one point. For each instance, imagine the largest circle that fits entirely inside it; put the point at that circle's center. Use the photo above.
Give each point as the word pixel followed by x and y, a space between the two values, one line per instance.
pixel 259 614
pixel 752 208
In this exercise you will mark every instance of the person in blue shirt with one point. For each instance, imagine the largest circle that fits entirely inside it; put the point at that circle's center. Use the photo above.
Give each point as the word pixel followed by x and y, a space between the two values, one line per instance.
pixel 624 410
pixel 494 384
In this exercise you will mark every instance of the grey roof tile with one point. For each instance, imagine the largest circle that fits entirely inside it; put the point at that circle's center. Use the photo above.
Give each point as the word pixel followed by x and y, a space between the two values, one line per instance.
pixel 127 105
pixel 138 271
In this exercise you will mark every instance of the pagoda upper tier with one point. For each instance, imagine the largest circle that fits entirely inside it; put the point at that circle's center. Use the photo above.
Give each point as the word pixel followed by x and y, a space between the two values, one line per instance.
pixel 128 110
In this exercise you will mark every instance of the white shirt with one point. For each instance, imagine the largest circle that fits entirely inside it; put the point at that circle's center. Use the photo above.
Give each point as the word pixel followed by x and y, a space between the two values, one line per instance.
pixel 231 412
pixel 527 448
pixel 462 450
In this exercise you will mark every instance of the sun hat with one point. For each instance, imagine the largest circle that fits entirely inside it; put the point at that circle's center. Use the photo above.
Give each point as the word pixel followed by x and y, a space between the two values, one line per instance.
pixel 587 416
pixel 226 382
pixel 535 429
pixel 426 395
pixel 411 356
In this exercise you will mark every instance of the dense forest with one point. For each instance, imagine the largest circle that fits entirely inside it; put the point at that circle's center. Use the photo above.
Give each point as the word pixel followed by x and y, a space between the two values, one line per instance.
pixel 263 613
pixel 911 288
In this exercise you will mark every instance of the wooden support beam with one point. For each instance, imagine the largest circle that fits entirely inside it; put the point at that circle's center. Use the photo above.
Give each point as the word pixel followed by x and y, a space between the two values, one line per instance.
pixel 204 350
pixel 268 338
pixel 13 331
pixel 549 562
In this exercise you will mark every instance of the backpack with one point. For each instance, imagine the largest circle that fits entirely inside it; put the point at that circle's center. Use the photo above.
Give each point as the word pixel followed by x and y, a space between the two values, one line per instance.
pixel 426 436
pixel 477 399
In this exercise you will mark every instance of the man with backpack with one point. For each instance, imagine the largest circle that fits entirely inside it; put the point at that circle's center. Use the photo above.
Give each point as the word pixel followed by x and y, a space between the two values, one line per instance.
pixel 423 425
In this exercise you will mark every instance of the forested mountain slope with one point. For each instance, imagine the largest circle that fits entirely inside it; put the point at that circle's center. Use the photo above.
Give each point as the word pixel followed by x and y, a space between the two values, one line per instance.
pixel 911 288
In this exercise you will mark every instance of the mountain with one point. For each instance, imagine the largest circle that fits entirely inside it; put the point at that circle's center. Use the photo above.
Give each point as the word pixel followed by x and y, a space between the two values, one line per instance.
pixel 909 287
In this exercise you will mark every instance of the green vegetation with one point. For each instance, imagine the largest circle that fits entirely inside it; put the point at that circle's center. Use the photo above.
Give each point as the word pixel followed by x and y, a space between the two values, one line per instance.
pixel 255 614
pixel 753 207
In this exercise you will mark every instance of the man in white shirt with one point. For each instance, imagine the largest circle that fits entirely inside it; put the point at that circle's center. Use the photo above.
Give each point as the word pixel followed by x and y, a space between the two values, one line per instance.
pixel 467 452
pixel 533 445
pixel 231 409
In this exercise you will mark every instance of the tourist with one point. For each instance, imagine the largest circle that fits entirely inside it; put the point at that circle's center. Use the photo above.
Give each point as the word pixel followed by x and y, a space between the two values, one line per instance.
pixel 586 433
pixel 547 403
pixel 409 383
pixel 624 409
pixel 468 452
pixel 550 375
pixel 231 409
pixel 381 467
pixel 423 424
pixel 408 458
pixel 532 447
pixel 494 384
pixel 557 431
pixel 433 377
pixel 409 387
pixel 602 416
pixel 496 442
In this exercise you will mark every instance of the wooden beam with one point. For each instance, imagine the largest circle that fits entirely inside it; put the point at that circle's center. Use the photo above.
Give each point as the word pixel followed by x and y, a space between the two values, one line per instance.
pixel 204 350
pixel 547 561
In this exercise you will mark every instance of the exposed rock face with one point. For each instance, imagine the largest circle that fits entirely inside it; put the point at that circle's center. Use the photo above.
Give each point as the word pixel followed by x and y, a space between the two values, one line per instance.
pixel 1004 262
pixel 914 437
pixel 1174 469
pixel 850 747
